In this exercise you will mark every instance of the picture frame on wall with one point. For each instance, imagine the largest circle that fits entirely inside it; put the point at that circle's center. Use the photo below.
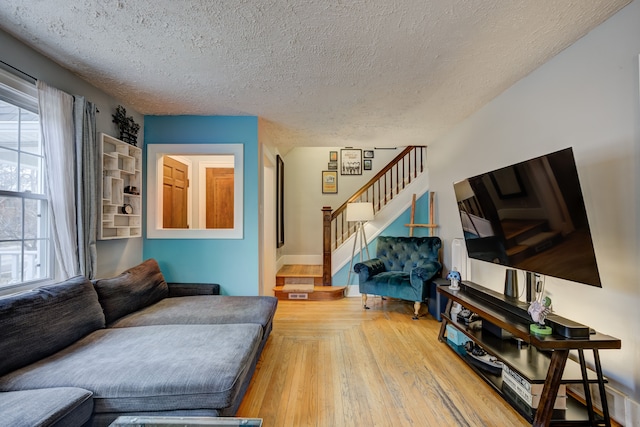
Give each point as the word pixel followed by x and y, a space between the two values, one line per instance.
pixel 368 164
pixel 333 156
pixel 351 161
pixel 368 154
pixel 332 166
pixel 329 182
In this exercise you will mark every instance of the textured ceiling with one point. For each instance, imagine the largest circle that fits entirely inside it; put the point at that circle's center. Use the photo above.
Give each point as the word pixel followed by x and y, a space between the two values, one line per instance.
pixel 319 73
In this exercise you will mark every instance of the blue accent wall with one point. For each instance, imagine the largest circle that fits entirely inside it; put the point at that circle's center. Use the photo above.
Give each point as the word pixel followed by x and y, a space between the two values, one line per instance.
pixel 396 228
pixel 233 263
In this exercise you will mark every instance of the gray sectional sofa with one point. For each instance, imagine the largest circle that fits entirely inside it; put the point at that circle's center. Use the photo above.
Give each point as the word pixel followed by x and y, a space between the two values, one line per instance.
pixel 83 353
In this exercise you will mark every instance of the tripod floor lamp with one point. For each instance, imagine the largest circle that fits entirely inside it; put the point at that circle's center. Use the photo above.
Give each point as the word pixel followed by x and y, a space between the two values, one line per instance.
pixel 360 212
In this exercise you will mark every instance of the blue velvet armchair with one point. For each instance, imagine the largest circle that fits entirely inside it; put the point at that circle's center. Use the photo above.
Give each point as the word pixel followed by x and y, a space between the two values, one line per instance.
pixel 403 268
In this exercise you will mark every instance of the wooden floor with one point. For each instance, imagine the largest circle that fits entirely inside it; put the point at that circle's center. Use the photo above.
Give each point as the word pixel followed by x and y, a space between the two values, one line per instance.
pixel 331 363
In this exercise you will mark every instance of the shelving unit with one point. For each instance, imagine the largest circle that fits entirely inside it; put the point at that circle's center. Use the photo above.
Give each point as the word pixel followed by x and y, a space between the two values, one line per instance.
pixel 538 360
pixel 121 169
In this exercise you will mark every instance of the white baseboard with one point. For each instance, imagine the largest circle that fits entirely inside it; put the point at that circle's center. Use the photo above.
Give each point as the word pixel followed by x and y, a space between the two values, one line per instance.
pixel 622 408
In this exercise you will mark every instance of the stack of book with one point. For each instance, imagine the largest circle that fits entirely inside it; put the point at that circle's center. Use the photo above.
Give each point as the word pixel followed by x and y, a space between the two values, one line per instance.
pixel 530 392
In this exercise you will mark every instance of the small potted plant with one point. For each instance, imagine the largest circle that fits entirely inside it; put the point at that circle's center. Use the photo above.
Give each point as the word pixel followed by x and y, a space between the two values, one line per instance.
pixel 126 125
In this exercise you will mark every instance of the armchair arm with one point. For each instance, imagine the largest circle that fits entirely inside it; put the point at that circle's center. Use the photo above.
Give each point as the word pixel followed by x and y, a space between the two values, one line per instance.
pixel 426 271
pixel 190 289
pixel 369 268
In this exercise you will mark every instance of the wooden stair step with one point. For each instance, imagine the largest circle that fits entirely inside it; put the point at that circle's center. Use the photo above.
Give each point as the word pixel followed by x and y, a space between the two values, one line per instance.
pixel 319 293
pixel 299 274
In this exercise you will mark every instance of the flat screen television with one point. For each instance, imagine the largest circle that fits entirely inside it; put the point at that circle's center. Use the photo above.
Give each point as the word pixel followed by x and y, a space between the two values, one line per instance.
pixel 530 216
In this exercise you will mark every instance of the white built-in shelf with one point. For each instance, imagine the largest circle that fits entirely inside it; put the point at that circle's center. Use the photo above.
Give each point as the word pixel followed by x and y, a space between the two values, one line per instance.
pixel 121 168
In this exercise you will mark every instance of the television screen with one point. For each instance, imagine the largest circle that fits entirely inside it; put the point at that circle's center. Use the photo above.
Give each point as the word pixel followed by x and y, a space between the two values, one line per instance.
pixel 530 216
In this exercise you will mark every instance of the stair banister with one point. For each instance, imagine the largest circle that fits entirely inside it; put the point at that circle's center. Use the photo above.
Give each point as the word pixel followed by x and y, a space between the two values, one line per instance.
pixel 336 230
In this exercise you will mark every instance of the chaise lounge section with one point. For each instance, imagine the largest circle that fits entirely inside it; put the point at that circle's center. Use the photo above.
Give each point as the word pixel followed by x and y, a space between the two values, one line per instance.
pixel 131 347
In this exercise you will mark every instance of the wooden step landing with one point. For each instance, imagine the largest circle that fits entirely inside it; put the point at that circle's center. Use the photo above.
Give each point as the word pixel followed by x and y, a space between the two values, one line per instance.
pixel 304 282
pixel 319 293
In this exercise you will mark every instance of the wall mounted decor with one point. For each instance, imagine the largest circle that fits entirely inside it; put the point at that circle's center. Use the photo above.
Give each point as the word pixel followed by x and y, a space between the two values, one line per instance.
pixel 367 164
pixel 329 182
pixel 333 156
pixel 120 186
pixel 368 154
pixel 127 127
pixel 351 161
pixel 332 166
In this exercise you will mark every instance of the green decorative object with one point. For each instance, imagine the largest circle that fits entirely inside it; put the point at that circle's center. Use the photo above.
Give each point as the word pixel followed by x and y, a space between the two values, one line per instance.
pixel 540 329
pixel 538 310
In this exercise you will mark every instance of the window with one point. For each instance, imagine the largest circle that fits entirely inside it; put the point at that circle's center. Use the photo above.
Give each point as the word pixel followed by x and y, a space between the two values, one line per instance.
pixel 25 254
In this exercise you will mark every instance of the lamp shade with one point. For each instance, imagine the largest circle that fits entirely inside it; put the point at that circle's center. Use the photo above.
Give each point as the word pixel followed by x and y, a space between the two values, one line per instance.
pixel 362 211
pixel 463 190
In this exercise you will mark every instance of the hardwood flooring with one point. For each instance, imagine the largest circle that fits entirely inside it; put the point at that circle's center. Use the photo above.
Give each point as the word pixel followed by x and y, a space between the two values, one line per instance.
pixel 331 363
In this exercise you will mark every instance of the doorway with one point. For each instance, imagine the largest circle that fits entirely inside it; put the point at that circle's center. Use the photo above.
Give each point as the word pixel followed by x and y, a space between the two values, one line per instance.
pixel 219 200
pixel 175 187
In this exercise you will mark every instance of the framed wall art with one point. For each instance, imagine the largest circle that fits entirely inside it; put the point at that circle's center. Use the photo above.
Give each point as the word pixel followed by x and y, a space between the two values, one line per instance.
pixel 367 164
pixel 368 154
pixel 329 182
pixel 332 166
pixel 333 156
pixel 351 161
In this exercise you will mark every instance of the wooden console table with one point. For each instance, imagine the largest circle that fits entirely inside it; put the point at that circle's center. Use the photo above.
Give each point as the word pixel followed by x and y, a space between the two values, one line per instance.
pixel 497 310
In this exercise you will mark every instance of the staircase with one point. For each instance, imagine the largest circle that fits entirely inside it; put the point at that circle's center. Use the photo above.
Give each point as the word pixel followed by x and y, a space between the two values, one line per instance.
pixel 313 282
pixel 380 191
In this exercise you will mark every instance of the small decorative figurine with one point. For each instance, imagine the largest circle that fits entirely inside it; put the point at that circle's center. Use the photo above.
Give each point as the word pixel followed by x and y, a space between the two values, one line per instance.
pixel 455 278
pixel 538 310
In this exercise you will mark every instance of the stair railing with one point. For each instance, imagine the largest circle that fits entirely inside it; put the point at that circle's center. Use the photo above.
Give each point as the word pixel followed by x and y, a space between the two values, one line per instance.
pixel 380 190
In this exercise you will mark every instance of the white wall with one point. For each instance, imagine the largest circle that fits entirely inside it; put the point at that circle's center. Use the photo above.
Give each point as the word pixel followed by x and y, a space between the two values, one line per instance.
pixel 114 256
pixel 304 200
pixel 587 97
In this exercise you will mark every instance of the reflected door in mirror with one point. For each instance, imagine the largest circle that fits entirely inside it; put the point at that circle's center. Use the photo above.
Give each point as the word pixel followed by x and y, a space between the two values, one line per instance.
pixel 219 197
pixel 175 187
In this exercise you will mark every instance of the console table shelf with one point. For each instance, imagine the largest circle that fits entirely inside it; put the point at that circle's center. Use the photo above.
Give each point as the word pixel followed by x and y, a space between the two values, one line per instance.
pixel 538 359
pixel 574 414
pixel 531 362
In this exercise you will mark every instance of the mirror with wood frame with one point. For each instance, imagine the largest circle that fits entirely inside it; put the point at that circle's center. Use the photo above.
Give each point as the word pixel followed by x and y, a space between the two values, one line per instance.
pixel 194 191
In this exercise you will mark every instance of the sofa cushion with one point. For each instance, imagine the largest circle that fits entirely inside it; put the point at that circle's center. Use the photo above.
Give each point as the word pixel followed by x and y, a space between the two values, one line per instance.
pixel 42 321
pixel 59 407
pixel 151 368
pixel 135 288
pixel 204 309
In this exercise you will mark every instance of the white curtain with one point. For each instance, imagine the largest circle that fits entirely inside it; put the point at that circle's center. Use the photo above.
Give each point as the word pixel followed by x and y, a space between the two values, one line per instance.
pixel 56 124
